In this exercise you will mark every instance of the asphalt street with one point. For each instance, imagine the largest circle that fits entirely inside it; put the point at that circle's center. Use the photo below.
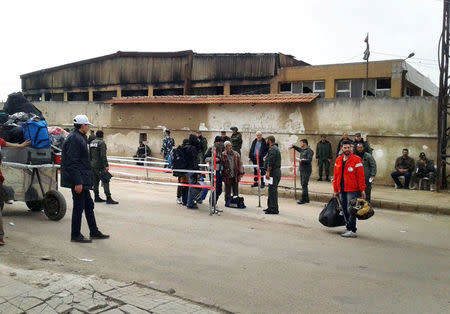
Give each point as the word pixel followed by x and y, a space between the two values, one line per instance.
pixel 244 261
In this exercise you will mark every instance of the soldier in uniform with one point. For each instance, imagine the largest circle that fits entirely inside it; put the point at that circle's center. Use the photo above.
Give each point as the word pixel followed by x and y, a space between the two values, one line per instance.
pixel 324 157
pixel 100 168
pixel 306 156
pixel 370 168
pixel 236 140
pixel 273 168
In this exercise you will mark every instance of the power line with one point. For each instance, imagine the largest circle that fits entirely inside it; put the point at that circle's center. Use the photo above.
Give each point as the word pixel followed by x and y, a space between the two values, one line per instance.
pixel 392 55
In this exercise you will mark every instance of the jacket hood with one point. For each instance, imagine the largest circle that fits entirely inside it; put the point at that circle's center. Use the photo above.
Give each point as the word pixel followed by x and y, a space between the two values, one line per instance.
pixel 193 140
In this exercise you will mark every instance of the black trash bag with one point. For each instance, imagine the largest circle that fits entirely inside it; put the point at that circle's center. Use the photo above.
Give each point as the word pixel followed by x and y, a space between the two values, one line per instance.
pixel 330 216
pixel 4 116
pixel 17 102
pixel 13 134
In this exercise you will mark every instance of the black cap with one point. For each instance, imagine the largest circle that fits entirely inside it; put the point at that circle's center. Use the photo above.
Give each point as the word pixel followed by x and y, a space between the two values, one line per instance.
pixel 422 155
pixel 358 134
pixel 233 128
pixel 223 132
pixel 218 139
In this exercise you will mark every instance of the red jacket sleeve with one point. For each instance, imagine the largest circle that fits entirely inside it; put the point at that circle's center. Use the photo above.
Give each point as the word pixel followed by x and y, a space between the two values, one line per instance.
pixel 2 142
pixel 335 177
pixel 360 176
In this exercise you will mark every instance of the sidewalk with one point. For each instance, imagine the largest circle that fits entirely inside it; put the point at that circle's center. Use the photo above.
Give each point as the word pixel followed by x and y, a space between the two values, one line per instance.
pixel 24 291
pixel 382 196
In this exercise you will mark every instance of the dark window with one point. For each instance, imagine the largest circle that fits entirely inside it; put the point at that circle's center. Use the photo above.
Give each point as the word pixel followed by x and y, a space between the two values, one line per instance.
pixel 142 137
pixel 383 83
pixel 168 92
pixel 285 87
pixel 135 93
pixel 78 96
pixel 250 89
pixel 213 90
pixel 106 95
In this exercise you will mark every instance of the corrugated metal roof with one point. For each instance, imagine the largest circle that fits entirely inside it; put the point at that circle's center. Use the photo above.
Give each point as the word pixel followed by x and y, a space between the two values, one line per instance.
pixel 219 99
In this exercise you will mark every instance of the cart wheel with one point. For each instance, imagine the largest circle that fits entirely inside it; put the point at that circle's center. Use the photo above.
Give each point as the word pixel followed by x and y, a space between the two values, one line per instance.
pixel 34 206
pixel 54 205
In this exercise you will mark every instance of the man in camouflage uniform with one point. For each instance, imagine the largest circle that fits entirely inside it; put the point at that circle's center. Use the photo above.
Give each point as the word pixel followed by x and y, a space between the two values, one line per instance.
pixel 273 168
pixel 424 169
pixel 306 156
pixel 324 157
pixel 236 140
pixel 167 145
pixel 100 168
pixel 203 145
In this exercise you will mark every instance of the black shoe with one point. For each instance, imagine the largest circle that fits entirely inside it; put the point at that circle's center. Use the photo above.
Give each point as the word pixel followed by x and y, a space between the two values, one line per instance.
pixel 80 239
pixel 302 201
pixel 98 199
pixel 400 186
pixel 263 186
pixel 98 235
pixel 320 179
pixel 192 207
pixel 406 187
pixel 254 185
pixel 272 212
pixel 111 201
pixel 328 179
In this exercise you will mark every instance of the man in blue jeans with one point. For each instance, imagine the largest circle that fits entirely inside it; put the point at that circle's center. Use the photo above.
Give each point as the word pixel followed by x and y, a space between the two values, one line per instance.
pixel 191 155
pixel 348 181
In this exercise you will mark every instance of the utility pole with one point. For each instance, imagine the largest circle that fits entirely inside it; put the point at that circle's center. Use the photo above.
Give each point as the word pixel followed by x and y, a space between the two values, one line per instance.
pixel 443 111
pixel 366 57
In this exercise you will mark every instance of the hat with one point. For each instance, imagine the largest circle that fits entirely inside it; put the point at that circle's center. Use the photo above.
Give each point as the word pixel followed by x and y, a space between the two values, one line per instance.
pixel 323 135
pixel 233 128
pixel 218 139
pixel 223 132
pixel 422 155
pixel 226 143
pixel 81 119
pixel 358 134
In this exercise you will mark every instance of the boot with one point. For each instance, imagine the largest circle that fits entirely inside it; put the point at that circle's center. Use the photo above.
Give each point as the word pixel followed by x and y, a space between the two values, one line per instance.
pixel 110 201
pixel 304 200
pixel 98 199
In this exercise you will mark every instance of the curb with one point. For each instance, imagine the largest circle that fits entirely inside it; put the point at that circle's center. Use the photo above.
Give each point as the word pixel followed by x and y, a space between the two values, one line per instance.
pixel 288 192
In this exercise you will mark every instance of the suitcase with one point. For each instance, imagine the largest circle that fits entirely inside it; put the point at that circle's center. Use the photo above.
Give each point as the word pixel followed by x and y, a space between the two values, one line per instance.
pixel 27 155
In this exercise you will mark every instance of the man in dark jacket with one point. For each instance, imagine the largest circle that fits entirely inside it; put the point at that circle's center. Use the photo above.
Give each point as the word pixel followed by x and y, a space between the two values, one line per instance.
pixel 191 155
pixel 236 140
pixel 218 145
pixel 203 144
pixel 404 166
pixel 258 151
pixel 224 136
pixel 339 147
pixel 324 157
pixel 306 156
pixel 359 139
pixel 425 169
pixel 76 174
pixel 370 168
pixel 273 167
pixel 100 168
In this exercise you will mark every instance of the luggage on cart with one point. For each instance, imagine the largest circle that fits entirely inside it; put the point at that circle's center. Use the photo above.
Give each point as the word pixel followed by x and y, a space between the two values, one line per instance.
pixel 28 155
pixel 331 216
pixel 37 133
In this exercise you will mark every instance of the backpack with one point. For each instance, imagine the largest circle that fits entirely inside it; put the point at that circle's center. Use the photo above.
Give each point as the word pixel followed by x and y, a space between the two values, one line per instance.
pixel 178 161
pixel 37 133
pixel 235 202
pixel 330 216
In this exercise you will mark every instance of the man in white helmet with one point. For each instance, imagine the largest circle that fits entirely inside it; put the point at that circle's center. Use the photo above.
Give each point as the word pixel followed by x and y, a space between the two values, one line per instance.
pixel 76 174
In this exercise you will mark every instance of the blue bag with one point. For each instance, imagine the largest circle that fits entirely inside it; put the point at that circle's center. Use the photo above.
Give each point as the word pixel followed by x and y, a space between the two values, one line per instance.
pixel 37 133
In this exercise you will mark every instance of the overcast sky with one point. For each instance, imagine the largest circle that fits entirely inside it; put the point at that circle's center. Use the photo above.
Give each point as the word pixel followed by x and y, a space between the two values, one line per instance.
pixel 40 34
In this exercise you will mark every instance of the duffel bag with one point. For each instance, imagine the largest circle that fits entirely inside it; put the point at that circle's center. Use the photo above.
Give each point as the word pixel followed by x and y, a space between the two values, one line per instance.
pixel 37 133
pixel 331 216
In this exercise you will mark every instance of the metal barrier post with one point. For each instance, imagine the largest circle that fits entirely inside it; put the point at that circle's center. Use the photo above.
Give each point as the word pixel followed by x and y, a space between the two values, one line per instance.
pixel 259 179
pixel 295 177
pixel 145 164
pixel 211 184
pixel 213 180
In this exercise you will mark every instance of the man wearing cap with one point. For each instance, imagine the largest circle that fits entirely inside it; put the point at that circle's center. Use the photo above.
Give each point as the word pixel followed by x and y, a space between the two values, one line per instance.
pixel 324 156
pixel 236 140
pixel 305 168
pixel 203 142
pixel 424 169
pixel 223 135
pixel 360 140
pixel 100 168
pixel 273 167
pixel 218 145
pixel 76 174
pixel 233 171
pixel 257 152
pixel 167 144
pixel 339 147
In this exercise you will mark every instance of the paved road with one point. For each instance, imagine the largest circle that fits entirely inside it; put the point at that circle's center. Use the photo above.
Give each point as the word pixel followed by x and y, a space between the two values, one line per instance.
pixel 246 262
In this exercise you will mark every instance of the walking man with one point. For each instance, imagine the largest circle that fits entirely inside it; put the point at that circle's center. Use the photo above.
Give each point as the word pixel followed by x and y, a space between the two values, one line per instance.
pixel 258 151
pixel 167 145
pixel 370 168
pixel 306 156
pixel 100 168
pixel 324 155
pixel 273 167
pixel 348 181
pixel 76 174
pixel 236 140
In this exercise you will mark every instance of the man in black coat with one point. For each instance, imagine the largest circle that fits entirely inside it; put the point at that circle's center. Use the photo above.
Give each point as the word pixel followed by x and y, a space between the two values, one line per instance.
pixel 76 174
pixel 258 149
pixel 192 161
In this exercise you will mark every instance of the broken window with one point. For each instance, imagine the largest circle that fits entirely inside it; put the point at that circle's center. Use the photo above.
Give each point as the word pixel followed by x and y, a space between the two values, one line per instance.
pixel 297 87
pixel 343 89
pixel 319 88
pixel 383 88
pixel 250 89
pixel 372 87
pixel 285 88
pixel 307 87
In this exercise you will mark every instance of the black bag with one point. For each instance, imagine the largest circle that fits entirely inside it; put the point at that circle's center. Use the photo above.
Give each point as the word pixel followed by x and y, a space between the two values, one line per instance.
pixel 179 161
pixel 330 216
pixel 13 134
pixel 105 176
pixel 17 102
pixel 235 202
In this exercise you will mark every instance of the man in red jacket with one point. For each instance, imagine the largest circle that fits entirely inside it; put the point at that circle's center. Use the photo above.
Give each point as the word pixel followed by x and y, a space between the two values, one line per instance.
pixel 347 182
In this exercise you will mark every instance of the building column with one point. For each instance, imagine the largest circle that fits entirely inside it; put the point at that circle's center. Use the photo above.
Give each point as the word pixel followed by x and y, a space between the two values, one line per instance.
pixel 330 89
pixel 42 96
pixel 119 91
pixel 274 87
pixel 66 96
pixel 150 90
pixel 396 87
pixel 226 89
pixel 91 95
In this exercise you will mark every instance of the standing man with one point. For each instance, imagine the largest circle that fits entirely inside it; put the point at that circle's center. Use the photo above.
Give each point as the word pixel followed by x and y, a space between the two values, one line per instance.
pixel 100 168
pixel 258 151
pixel 324 155
pixel 167 145
pixel 305 168
pixel 236 140
pixel 347 183
pixel 339 147
pixel 360 140
pixel 203 143
pixel 370 168
pixel 91 136
pixel 232 171
pixel 191 156
pixel 224 136
pixel 273 167
pixel 76 174
pixel 404 166
pixel 218 145
pixel 3 143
